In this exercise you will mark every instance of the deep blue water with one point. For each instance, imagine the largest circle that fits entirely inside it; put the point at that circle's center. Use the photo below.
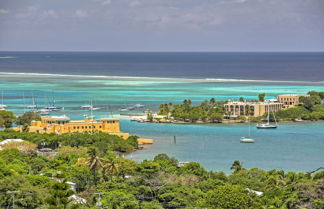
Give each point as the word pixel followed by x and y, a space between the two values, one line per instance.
pixel 251 66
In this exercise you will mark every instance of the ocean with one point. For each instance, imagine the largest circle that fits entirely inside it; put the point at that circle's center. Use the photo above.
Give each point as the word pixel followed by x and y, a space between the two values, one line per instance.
pixel 246 66
pixel 118 80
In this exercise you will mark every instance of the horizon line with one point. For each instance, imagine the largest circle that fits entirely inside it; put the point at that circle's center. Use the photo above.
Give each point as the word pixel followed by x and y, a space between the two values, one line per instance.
pixel 162 51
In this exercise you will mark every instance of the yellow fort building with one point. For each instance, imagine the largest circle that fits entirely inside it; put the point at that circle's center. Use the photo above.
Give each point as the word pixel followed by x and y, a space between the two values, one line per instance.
pixel 63 124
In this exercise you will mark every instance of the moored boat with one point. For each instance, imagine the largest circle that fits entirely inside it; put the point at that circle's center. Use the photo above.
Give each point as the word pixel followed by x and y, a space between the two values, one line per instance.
pixel 247 140
pixel 268 125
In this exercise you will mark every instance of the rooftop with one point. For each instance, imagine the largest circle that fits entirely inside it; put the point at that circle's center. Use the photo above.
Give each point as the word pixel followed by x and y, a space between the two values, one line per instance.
pixel 252 103
pixel 293 95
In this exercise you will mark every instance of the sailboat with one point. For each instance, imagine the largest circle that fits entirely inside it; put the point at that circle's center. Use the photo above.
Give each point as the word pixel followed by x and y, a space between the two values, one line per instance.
pixel 247 139
pixel 87 106
pixel 33 106
pixel 53 107
pixel 267 125
pixel 93 107
pixel 90 106
pixel 2 105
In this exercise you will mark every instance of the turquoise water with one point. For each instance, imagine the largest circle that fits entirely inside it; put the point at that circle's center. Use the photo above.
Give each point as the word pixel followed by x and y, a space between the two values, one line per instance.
pixel 293 146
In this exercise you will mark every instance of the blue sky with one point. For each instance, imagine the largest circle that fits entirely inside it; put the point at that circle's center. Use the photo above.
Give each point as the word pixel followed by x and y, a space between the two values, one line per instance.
pixel 162 25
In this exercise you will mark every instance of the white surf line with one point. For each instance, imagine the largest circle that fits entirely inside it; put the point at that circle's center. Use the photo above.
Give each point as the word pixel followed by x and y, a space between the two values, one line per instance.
pixel 210 80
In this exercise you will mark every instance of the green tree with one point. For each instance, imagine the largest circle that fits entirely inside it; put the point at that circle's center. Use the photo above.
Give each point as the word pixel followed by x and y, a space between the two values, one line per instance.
pixel 148 167
pixel 151 205
pixel 95 163
pixel 6 118
pixel 26 118
pixel 26 195
pixel 310 102
pixel 228 197
pixel 59 196
pixel 261 97
pixel 193 168
pixel 119 200
pixel 237 166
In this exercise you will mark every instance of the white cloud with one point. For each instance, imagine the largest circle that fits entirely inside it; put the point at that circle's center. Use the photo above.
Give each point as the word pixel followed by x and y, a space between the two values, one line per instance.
pixel 134 3
pixel 50 13
pixel 32 8
pixel 240 1
pixel 4 11
pixel 104 2
pixel 28 12
pixel 81 13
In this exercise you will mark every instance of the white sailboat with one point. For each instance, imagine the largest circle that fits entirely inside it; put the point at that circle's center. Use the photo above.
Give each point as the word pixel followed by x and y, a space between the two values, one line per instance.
pixel 90 106
pixel 87 106
pixel 268 125
pixel 247 139
pixel 53 107
pixel 33 106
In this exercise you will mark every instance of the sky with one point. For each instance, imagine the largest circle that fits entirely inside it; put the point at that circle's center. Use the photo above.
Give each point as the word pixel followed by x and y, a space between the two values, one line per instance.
pixel 162 25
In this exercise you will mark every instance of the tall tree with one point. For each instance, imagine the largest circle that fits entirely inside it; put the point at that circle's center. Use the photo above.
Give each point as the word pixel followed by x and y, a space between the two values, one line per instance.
pixel 95 163
pixel 59 196
pixel 237 166
pixel 261 97
pixel 6 119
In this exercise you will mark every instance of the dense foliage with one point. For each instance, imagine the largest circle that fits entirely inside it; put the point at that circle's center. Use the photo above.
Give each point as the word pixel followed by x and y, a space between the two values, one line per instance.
pixel 7 118
pixel 102 141
pixel 211 111
pixel 106 181
pixel 310 109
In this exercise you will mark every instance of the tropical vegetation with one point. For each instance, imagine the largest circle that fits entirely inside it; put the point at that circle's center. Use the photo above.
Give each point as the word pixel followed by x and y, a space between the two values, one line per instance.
pixel 103 180
pixel 207 111
pixel 311 108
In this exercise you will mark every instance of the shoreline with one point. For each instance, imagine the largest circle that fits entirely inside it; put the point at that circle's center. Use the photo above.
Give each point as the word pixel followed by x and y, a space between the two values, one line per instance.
pixel 228 122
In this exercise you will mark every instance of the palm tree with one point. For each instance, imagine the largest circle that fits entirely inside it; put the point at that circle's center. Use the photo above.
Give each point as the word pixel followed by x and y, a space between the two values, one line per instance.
pixel 111 167
pixel 237 166
pixel 94 163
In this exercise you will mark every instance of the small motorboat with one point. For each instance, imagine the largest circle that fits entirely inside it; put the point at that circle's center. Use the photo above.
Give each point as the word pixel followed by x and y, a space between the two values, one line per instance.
pixel 247 140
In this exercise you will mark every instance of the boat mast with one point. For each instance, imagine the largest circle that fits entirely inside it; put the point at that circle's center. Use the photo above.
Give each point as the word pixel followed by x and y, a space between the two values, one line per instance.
pixel 268 114
pixel 249 121
pixel 33 100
